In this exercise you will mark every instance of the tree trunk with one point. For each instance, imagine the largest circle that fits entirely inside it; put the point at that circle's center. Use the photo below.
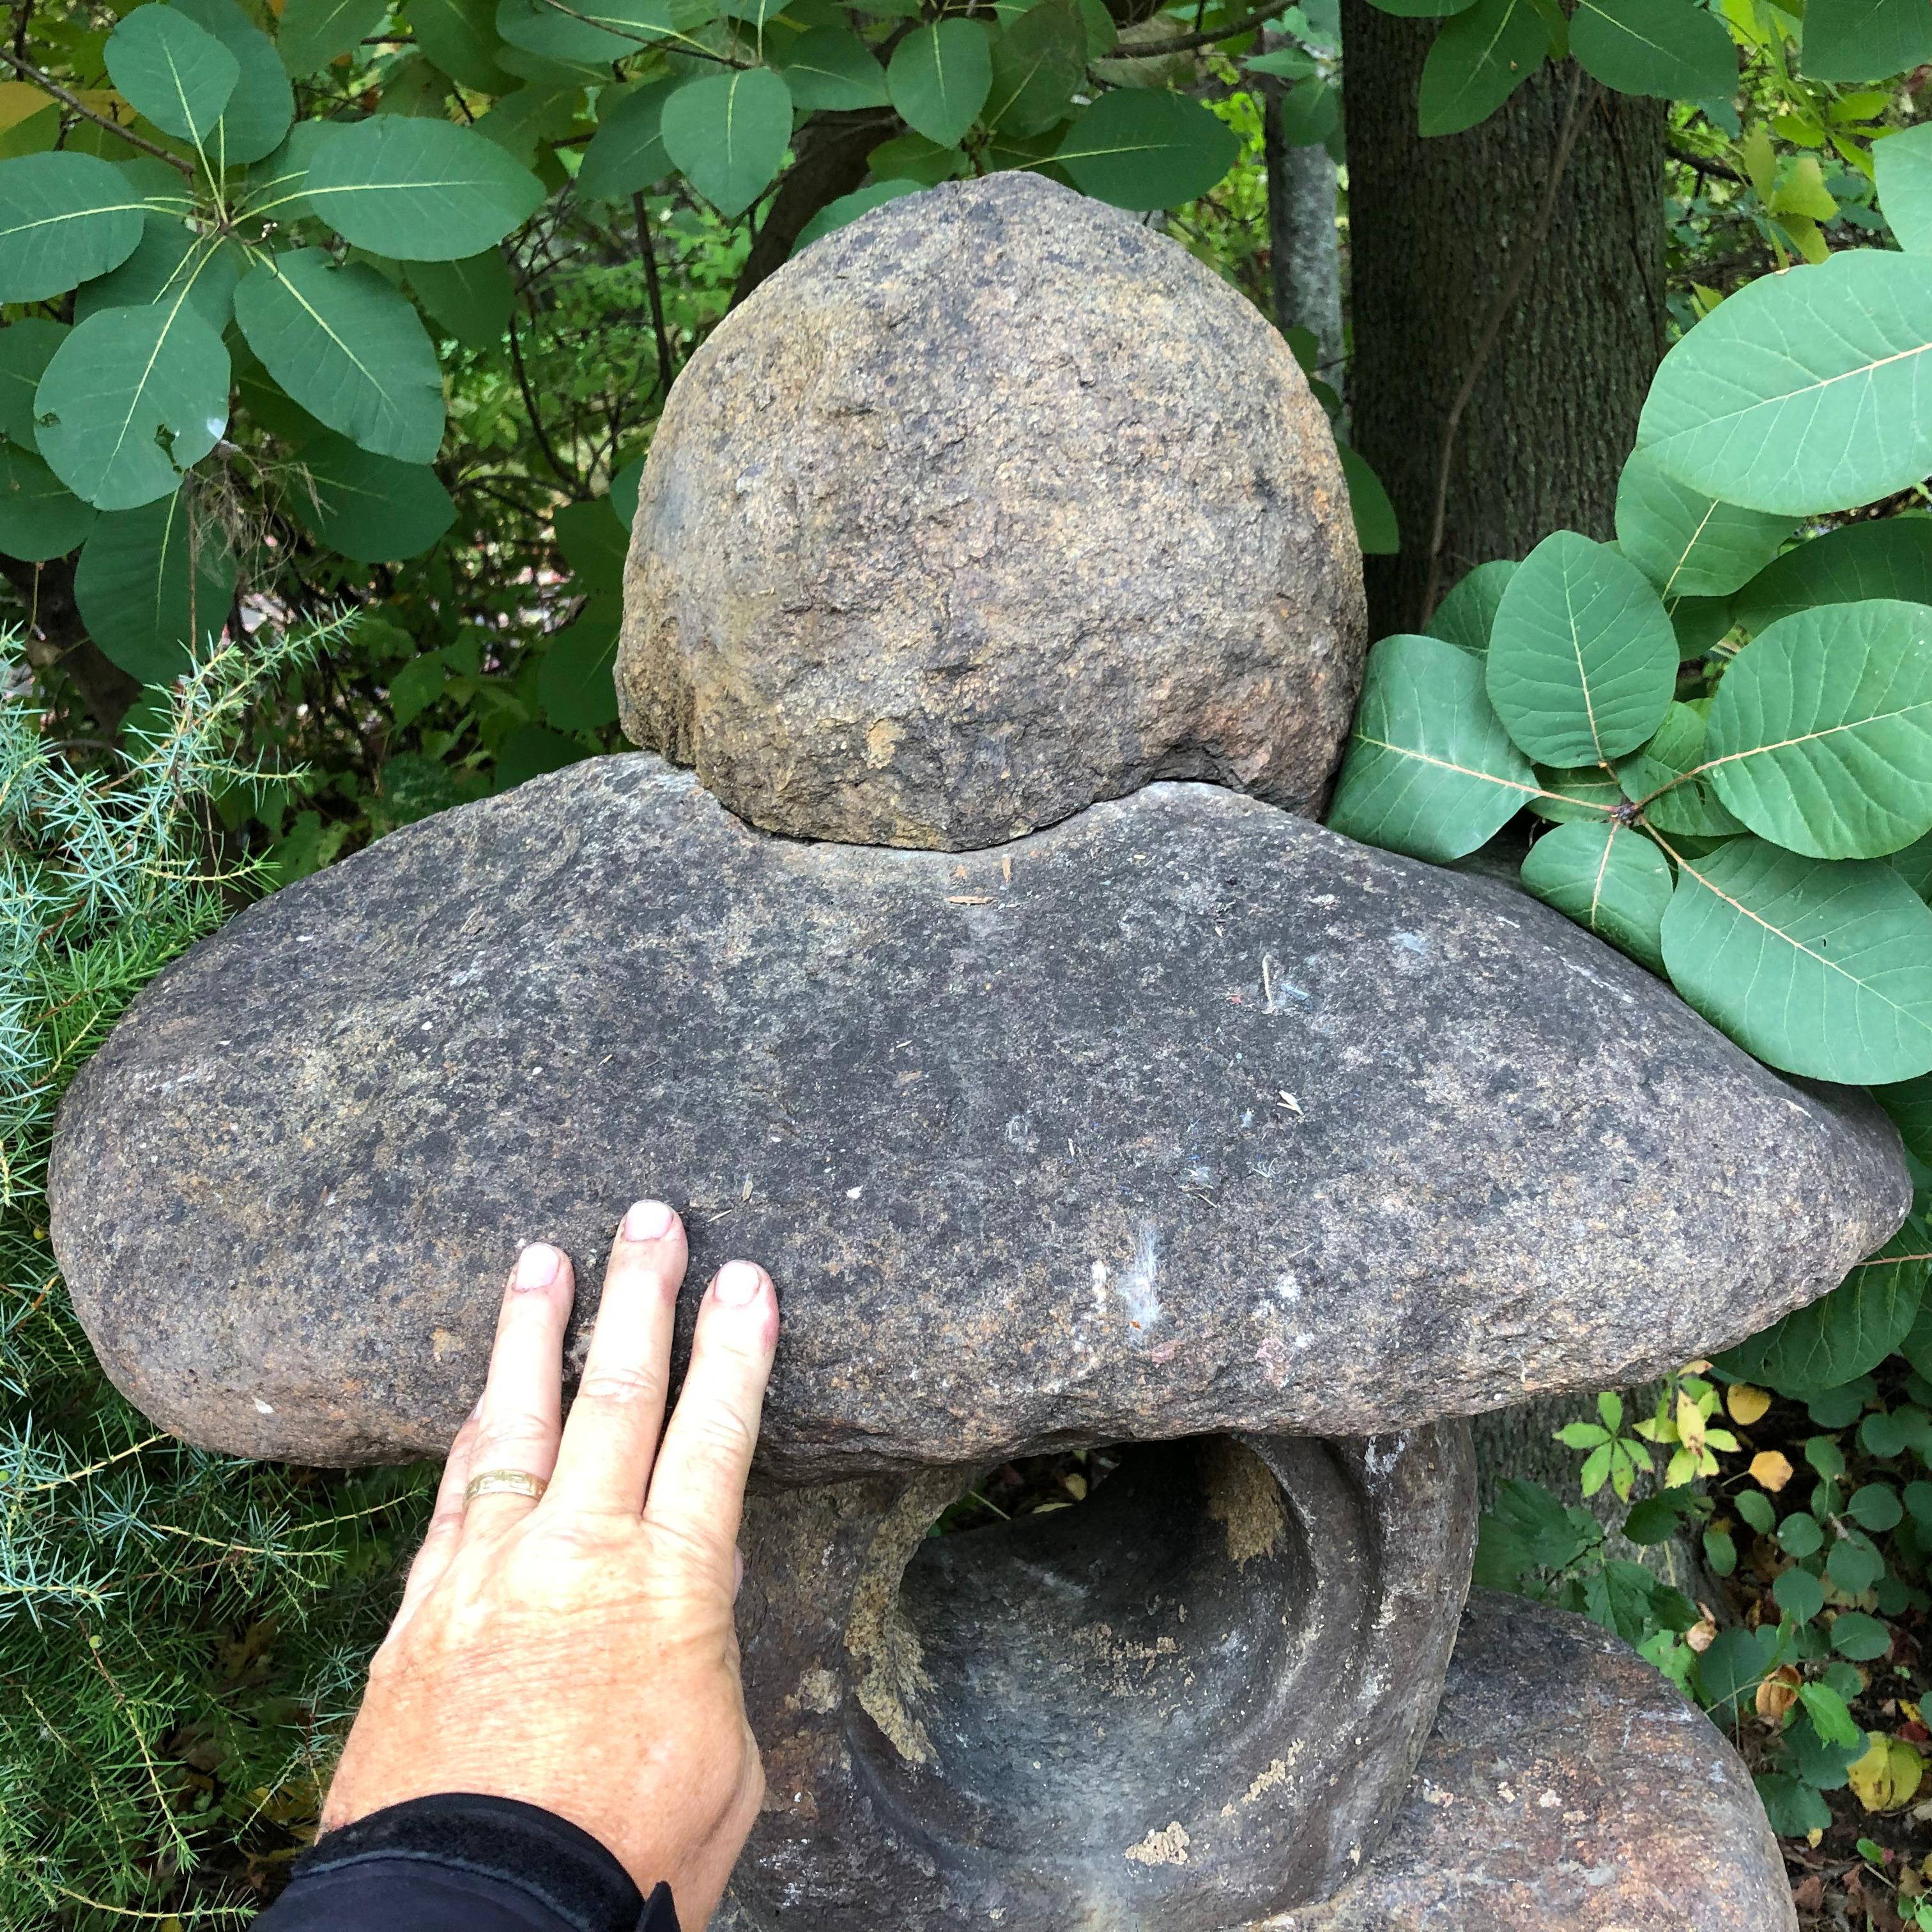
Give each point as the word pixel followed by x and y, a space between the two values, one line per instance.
pixel 1435 227
pixel 1304 248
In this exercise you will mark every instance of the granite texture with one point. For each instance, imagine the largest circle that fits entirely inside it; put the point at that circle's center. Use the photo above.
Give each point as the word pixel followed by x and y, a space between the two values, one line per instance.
pixel 993 503
pixel 1198 1695
pixel 1566 1785
pixel 1185 1114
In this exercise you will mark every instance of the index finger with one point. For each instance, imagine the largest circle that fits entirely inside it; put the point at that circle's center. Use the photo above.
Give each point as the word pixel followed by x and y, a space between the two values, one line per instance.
pixel 698 1488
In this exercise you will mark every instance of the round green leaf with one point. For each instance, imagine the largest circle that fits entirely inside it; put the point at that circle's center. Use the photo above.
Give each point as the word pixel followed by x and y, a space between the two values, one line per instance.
pixel 729 132
pixel 1670 49
pixel 1146 148
pixel 141 601
pixel 312 33
pixel 1614 882
pixel 1801 392
pixel 1820 736
pixel 1862 1638
pixel 259 112
pixel 1902 162
pixel 370 507
pixel 460 39
pixel 471 298
pixel 39 517
pixel 172 258
pixel 26 347
pixel 176 73
pixel 849 207
pixel 418 191
pixel 1430 770
pixel 1800 1595
pixel 591 33
pixel 1865 40
pixel 1851 565
pixel 574 686
pixel 1657 778
pixel 1799 1534
pixel 1909 1102
pixel 1688 543
pixel 1040 62
pixel 940 77
pixel 832 67
pixel 1587 793
pixel 349 349
pixel 132 398
pixel 64 218
pixel 627 154
pixel 1479 59
pixel 1819 968
pixel 1582 661
pixel 1466 616
pixel 1877 1506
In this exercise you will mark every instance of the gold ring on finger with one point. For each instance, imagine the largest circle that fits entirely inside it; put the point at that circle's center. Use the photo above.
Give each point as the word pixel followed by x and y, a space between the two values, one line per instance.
pixel 504 1483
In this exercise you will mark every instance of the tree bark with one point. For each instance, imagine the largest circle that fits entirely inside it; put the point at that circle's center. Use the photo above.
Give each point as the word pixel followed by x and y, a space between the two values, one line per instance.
pixel 1304 246
pixel 1434 229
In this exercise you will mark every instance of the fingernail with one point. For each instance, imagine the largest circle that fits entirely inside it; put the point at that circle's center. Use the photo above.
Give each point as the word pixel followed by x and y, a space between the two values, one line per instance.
pixel 737 1285
pixel 647 1221
pixel 537 1266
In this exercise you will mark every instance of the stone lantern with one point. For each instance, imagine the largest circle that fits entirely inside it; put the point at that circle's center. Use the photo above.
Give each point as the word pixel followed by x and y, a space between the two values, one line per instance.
pixel 960 949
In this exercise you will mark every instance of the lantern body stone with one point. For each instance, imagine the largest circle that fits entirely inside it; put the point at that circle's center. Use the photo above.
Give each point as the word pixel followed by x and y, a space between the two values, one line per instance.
pixel 989 505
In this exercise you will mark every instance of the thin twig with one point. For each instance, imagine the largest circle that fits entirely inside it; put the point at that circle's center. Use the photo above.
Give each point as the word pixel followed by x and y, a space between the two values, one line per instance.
pixel 536 420
pixel 1182 43
pixel 1526 253
pixel 655 289
pixel 1717 170
pixel 29 71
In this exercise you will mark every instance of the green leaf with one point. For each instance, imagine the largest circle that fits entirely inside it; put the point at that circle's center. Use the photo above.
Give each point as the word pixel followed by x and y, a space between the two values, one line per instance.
pixel 528 751
pixel 728 133
pixel 835 214
pixel 1799 1535
pixel 1862 1638
pixel 1733 1664
pixel 172 257
pixel 1657 779
pixel 1529 1529
pixel 370 508
pixel 412 785
pixel 471 298
pixel 1311 112
pixel 1754 1506
pixel 1820 969
pixel 258 112
pixel 589 33
pixel 141 601
pixel 1429 769
pixel 573 685
pixel 939 78
pixel 64 218
pixel 131 399
pixel 1800 1597
pixel 1039 64
pixel 1902 163
pixel 1824 1707
pixel 314 32
pixel 627 154
pixel 1147 148
pixel 1864 39
pixel 26 347
pixel 832 68
pixel 1368 504
pixel 1851 565
pixel 1658 1518
pixel 460 37
pixel 1582 661
pixel 1800 393
pixel 1480 59
pixel 1820 736
pixel 1688 543
pixel 1914 865
pixel 1466 616
pixel 1613 882
pixel 1877 1506
pixel 418 191
pixel 1720 1553
pixel 1420 10
pixel 1909 1103
pixel 1839 1337
pixel 349 349
pixel 1583 794
pixel 176 73
pixel 39 517
pixel 1669 48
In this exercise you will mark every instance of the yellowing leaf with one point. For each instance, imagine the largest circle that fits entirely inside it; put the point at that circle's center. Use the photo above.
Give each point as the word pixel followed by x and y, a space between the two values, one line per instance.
pixel 1746 1404
pixel 1886 1777
pixel 1760 163
pixel 18 100
pixel 1803 190
pixel 1690 1424
pixel 1770 1470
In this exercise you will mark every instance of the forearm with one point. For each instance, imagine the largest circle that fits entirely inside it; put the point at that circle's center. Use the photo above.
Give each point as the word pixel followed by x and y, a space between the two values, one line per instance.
pixel 460 1863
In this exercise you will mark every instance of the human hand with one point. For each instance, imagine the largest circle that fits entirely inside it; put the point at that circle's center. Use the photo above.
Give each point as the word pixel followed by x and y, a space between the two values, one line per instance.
pixel 578 1651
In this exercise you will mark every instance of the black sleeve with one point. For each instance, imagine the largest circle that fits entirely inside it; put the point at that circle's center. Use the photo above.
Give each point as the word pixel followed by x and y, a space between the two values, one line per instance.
pixel 461 1863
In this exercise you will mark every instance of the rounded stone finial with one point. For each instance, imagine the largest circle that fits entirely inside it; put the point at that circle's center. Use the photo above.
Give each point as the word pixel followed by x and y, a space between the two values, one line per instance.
pixel 992 505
